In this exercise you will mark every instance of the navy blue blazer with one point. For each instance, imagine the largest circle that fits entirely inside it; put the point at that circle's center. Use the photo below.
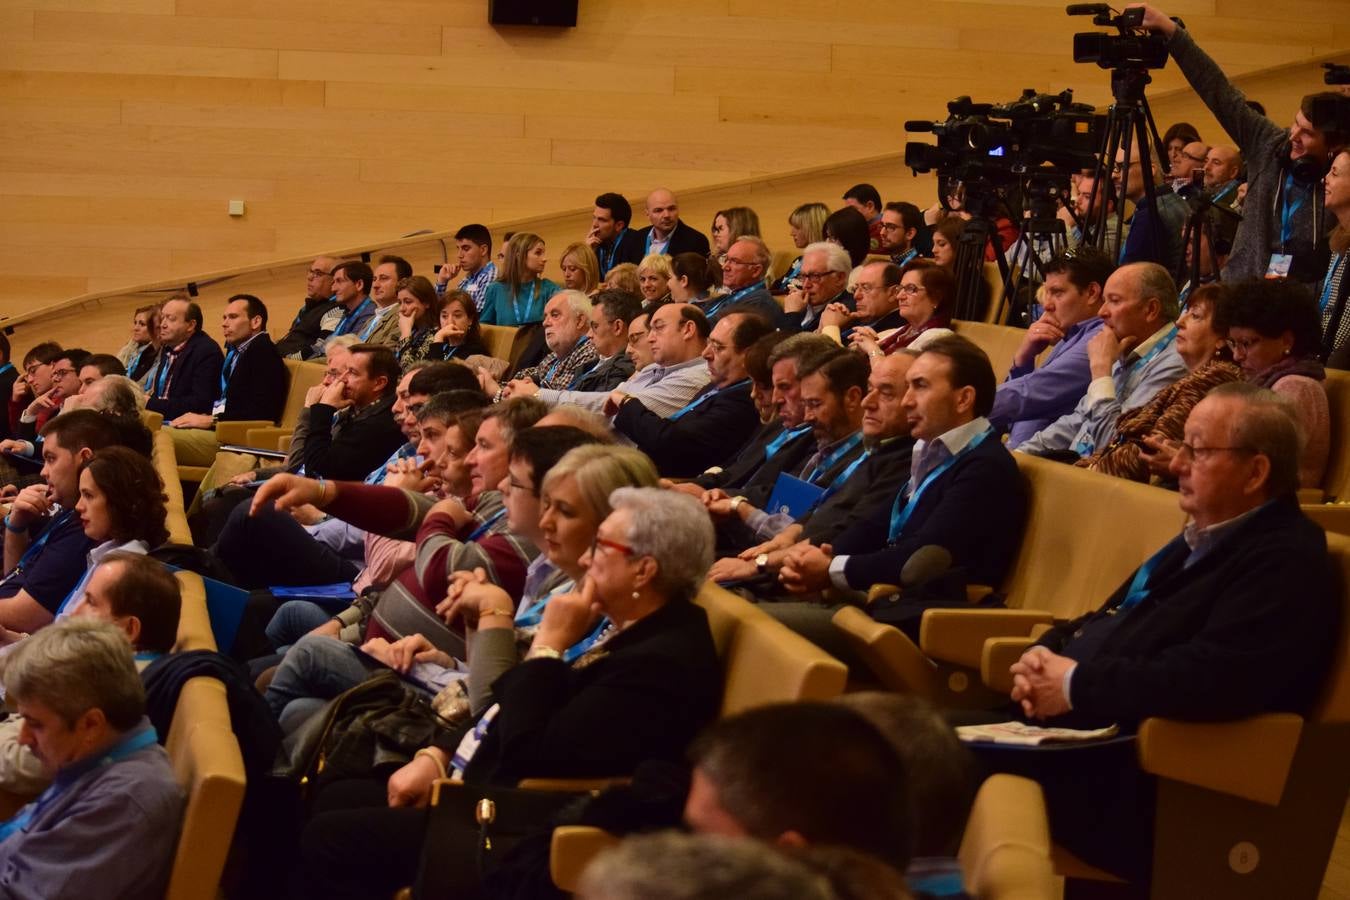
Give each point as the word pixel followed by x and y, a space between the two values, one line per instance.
pixel 193 380
pixel 684 240
pixel 684 447
pixel 257 388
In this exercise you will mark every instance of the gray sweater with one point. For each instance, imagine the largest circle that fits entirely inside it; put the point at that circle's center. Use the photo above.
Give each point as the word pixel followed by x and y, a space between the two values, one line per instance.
pixel 1262 143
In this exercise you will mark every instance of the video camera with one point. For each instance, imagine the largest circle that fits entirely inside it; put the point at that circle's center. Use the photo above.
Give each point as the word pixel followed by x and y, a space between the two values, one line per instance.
pixel 1132 48
pixel 1337 74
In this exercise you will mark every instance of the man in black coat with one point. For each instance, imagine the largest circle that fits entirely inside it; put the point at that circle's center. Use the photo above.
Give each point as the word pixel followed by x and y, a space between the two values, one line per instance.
pixel 610 237
pixel 351 429
pixel 720 415
pixel 307 327
pixel 186 379
pixel 667 234
pixel 253 383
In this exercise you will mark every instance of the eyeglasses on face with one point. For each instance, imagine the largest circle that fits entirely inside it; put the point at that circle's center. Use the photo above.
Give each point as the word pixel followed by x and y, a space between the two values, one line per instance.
pixel 911 289
pixel 622 549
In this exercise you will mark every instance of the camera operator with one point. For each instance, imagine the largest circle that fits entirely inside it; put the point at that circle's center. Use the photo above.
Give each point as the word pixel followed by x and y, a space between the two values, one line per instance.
pixel 1284 168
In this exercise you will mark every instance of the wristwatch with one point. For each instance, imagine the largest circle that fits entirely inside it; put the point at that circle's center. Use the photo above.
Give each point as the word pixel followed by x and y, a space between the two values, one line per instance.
pixel 762 563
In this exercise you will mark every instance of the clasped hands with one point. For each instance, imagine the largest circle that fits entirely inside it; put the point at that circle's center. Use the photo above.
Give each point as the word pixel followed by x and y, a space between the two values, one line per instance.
pixel 1038 683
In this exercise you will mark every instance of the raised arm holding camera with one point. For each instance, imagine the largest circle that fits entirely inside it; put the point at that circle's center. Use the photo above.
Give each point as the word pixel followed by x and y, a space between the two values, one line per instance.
pixel 1283 233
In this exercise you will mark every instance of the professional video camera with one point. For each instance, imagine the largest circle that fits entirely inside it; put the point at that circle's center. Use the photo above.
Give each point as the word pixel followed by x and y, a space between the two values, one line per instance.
pixel 1131 48
pixel 1337 74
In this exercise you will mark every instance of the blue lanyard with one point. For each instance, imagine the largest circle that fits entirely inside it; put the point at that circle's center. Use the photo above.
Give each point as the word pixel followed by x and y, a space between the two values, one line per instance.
pixel 36 547
pixel 837 454
pixel 560 360
pixel 1084 447
pixel 708 395
pixel 607 258
pixel 515 303
pixel 1325 299
pixel 122 750
pixel 534 614
pixel 227 370
pixel 900 515
pixel 730 298
pixel 166 361
pixel 347 321
pixel 1138 589
pixel 577 380
pixel 788 434
pixel 483 529
pixel 1294 198
pixel 134 362
pixel 6 367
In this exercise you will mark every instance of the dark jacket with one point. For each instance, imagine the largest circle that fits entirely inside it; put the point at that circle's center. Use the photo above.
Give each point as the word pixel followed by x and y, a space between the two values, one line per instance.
pixel 7 379
pixel 892 319
pixel 685 446
pixel 745 462
pixel 872 485
pixel 684 240
pixel 657 683
pixel 351 448
pixel 193 382
pixel 606 375
pixel 1248 628
pixel 630 249
pixel 257 388
pixel 307 328
pixel 976 510
pixel 760 301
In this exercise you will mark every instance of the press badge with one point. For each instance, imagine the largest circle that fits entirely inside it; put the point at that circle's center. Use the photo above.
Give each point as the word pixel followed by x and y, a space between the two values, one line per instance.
pixel 218 408
pixel 1279 265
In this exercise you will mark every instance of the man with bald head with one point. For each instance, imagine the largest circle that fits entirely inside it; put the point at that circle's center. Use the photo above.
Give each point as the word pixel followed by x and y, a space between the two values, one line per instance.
pixel 307 327
pixel 1222 165
pixel 1191 160
pixel 667 234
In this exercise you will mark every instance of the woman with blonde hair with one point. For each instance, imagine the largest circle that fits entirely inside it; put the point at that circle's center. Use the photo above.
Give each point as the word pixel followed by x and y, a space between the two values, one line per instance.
pixel 653 279
pixel 580 268
pixel 806 224
pixel 518 295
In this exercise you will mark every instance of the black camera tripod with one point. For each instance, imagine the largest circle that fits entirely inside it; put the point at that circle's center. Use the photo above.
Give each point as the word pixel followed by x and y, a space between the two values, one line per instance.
pixel 1199 232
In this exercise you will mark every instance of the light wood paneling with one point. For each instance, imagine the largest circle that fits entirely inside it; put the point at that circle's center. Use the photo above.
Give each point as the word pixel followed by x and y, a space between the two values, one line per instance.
pixel 130 124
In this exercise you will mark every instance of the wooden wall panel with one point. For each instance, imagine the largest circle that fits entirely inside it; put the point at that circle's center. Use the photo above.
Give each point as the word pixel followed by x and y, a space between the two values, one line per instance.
pixel 126 126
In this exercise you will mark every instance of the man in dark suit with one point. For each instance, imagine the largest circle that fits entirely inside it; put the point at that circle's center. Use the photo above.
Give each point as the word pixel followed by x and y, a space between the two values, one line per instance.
pixel 253 382
pixel 351 429
pixel 187 377
pixel 876 296
pixel 668 233
pixel 720 415
pixel 610 237
pixel 1209 628
pixel 964 495
pixel 743 274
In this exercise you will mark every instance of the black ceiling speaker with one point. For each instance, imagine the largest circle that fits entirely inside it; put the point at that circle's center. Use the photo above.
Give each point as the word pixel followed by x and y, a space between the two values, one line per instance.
pixel 557 13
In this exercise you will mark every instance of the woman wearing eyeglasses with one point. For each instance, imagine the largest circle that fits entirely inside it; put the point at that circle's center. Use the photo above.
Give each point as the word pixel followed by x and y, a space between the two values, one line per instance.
pixel 1148 436
pixel 927 291
pixel 640 692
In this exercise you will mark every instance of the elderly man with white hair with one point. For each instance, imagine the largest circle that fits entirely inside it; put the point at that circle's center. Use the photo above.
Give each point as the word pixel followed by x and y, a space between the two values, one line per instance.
pixel 824 277
pixel 571 352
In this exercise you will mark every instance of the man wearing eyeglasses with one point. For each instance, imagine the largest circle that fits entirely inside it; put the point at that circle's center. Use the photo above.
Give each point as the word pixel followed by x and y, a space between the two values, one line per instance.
pixel 64 382
pixel 307 327
pixel 611 311
pixel 824 277
pixel 1190 161
pixel 900 224
pixel 1209 628
pixel 743 276
pixel 571 354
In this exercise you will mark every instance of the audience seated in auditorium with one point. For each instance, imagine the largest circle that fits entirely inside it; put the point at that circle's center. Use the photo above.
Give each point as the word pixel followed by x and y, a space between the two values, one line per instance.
pixel 473 260
pixel 44 549
pixel 1130 359
pixel 1033 396
pixel 1149 435
pixel 388 274
pixel 307 332
pixel 654 279
pixel 927 293
pixel 1277 228
pixel 352 280
pixel 964 497
pixel 900 226
pixel 722 414
pixel 806 226
pixel 824 278
pixel 1205 630
pixel 112 815
pixel 668 234
pixel 676 336
pixel 138 595
pixel 640 693
pixel 607 322
pixel 138 354
pixel 252 383
pixel 867 200
pixel 1274 328
pixel 518 295
pixel 876 304
pixel 1334 291
pixel 743 273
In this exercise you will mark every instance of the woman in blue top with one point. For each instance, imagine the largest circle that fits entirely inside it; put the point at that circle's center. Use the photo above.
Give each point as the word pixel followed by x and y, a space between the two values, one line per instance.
pixel 518 295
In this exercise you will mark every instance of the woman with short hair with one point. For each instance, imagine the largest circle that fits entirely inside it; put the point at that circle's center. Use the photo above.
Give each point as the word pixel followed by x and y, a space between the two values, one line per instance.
pixel 806 224
pixel 580 268
pixel 653 278
pixel 927 293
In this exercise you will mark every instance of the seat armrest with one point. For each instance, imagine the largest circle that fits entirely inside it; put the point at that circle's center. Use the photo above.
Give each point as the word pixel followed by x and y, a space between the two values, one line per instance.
pixel 958 635
pixel 236 431
pixel 573 785
pixel 881 592
pixel 571 851
pixel 999 655
pixel 1249 758
pixel 892 657
pixel 1310 495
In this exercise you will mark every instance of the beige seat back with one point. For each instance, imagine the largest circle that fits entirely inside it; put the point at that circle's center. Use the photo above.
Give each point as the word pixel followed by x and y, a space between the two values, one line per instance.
pixel 167 466
pixel 1005 852
pixel 194 622
pixel 999 342
pixel 1336 480
pixel 301 377
pixel 764 661
pixel 207 762
pixel 499 339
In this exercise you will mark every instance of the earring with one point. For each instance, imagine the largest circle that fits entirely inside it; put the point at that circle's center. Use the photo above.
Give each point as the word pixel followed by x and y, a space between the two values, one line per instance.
pixel 636 595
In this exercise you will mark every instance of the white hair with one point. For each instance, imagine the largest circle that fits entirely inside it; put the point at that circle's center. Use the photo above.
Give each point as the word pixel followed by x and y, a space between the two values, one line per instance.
pixel 836 257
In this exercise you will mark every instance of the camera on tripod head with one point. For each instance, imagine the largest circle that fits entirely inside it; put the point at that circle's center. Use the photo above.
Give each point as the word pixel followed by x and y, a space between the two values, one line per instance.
pixel 1131 48
pixel 1337 74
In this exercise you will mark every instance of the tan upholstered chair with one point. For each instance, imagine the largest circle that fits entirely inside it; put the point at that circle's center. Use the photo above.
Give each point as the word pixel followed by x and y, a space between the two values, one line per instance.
pixel 167 468
pixel 1005 852
pixel 499 340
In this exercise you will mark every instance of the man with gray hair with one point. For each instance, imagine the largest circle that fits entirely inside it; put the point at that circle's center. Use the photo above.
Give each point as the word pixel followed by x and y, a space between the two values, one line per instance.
pixel 117 395
pixel 1132 358
pixel 743 275
pixel 111 816
pixel 824 277
pixel 1207 629
pixel 571 352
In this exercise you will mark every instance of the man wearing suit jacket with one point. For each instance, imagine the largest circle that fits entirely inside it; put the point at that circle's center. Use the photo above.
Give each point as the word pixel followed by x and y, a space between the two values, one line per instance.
pixel 722 414
pixel 876 298
pixel 610 237
pixel 964 495
pixel 1208 629
pixel 187 377
pixel 252 382
pixel 667 234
